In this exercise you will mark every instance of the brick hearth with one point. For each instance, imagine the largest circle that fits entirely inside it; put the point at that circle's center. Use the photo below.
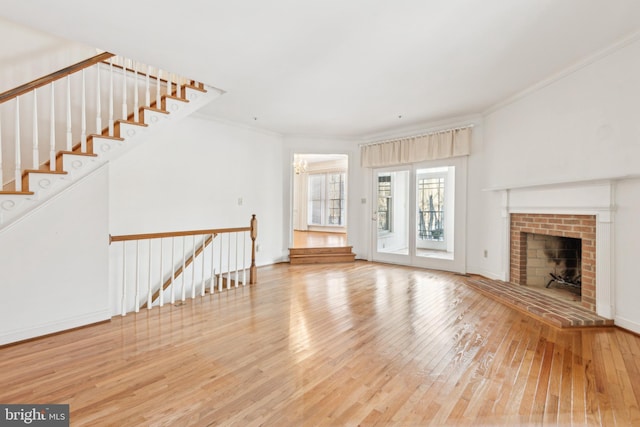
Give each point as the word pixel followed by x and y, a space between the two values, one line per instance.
pixel 576 226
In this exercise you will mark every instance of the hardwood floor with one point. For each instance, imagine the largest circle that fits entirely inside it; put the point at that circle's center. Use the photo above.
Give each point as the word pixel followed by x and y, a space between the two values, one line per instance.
pixel 349 344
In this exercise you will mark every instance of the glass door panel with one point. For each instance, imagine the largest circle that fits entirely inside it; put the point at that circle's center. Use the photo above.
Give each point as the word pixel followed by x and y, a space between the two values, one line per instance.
pixel 392 214
pixel 435 212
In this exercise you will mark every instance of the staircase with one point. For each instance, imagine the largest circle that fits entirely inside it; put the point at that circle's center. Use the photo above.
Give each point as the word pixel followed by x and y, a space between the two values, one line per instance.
pixel 45 144
pixel 321 255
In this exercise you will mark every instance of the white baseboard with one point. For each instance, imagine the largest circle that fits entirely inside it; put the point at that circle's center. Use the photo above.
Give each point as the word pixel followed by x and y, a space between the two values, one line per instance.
pixel 486 273
pixel 627 324
pixel 53 327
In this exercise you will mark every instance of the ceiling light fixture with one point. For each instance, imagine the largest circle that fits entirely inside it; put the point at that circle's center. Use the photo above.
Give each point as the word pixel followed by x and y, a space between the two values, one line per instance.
pixel 300 165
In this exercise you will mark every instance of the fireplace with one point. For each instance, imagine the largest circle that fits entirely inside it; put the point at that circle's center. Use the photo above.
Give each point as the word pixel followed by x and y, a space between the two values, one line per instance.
pixel 561 245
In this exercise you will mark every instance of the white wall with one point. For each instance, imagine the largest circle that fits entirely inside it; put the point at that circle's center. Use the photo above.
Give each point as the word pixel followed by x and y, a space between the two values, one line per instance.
pixel 582 126
pixel 35 55
pixel 192 176
pixel 54 263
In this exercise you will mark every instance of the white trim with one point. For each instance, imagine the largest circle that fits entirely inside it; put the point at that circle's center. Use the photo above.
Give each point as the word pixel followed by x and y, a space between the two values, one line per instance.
pixel 53 327
pixel 575 183
pixel 486 273
pixel 627 324
pixel 585 62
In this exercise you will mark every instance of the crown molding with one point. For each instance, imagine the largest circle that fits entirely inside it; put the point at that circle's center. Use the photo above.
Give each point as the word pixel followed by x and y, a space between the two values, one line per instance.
pixel 577 66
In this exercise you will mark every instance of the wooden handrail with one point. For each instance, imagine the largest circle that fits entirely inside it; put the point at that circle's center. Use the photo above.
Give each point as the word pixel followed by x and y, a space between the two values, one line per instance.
pixel 213 233
pixel 146 236
pixel 56 75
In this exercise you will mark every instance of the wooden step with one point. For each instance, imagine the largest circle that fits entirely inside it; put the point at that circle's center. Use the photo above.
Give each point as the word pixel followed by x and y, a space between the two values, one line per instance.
pixel 321 255
pixel 325 250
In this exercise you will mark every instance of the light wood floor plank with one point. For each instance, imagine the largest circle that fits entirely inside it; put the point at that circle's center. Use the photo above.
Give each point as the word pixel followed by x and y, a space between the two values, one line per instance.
pixel 317 345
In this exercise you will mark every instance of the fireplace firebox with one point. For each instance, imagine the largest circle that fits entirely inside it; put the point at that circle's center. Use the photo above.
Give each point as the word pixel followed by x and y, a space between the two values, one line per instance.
pixel 555 250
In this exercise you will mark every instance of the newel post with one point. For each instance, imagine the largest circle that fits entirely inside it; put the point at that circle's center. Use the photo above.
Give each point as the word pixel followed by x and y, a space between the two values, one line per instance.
pixel 253 271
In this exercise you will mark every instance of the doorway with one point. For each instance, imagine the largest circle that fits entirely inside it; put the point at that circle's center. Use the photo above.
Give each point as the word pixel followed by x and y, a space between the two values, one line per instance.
pixel 319 200
pixel 420 215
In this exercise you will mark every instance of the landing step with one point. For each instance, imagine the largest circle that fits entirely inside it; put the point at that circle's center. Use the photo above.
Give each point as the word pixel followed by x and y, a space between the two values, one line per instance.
pixel 321 255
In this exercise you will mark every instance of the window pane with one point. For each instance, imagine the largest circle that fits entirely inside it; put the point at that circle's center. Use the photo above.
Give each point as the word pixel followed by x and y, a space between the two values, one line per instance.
pixel 316 193
pixel 335 196
pixel 384 202
pixel 327 199
pixel 431 208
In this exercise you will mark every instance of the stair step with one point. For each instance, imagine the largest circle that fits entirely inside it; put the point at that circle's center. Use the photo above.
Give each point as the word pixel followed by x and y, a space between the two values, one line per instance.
pixel 321 258
pixel 43 182
pixel 119 125
pixel 172 103
pixel 17 193
pixel 321 255
pixel 324 250
pixel 60 157
pixel 150 115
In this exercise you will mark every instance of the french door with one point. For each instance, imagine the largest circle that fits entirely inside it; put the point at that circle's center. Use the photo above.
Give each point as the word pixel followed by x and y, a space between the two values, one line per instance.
pixel 420 214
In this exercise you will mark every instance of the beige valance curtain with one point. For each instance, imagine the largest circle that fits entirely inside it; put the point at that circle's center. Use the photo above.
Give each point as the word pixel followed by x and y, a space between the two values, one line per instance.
pixel 438 145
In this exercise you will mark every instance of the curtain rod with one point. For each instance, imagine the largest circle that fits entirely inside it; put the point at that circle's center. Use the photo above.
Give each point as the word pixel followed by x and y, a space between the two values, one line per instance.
pixel 416 136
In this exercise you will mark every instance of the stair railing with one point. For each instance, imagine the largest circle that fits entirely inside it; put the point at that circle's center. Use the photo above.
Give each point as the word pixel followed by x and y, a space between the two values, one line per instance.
pixel 50 116
pixel 152 269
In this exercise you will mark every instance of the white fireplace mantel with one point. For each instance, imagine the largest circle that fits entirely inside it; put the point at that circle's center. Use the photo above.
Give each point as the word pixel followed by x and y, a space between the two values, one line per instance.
pixel 592 197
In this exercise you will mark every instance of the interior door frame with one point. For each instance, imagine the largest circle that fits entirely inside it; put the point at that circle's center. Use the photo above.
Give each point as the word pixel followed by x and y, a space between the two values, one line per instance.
pixel 292 196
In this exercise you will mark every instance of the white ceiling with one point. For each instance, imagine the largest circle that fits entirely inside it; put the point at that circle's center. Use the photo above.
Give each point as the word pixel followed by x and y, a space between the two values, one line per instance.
pixel 345 67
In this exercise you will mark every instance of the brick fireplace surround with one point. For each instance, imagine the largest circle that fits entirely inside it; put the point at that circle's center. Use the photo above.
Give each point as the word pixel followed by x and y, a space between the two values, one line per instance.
pixel 576 226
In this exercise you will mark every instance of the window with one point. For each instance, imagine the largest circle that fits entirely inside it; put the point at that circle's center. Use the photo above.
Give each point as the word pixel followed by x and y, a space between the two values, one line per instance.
pixel 431 208
pixel 335 197
pixel 384 203
pixel 327 199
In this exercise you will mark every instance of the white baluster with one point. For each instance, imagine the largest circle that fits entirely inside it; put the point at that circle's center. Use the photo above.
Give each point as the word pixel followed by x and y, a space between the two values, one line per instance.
pixel 149 290
pixel 193 268
pixel 18 171
pixel 69 136
pixel 158 99
pixel 52 131
pixel 36 154
pixel 173 266
pixel 178 88
pixel 161 275
pixel 229 261
pixel 83 124
pixel 111 96
pixel 244 258
pixel 147 93
pixel 169 84
pixel 184 265
pixel 204 239
pixel 236 259
pixel 123 301
pixel 137 295
pixel 213 269
pixel 136 106
pixel 220 273
pixel 98 103
pixel 124 89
